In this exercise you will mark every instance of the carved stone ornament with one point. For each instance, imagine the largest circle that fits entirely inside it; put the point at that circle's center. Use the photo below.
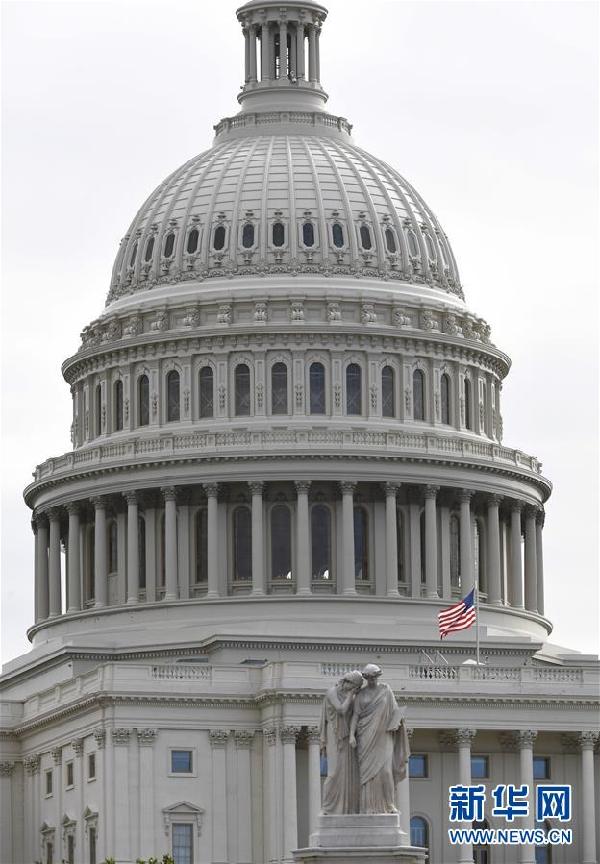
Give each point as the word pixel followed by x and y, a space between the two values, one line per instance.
pixel 270 735
pixel 160 323
pixel 6 769
pixel 525 738
pixel 100 738
pixel 373 392
pixel 334 312
pixel 120 736
pixel 32 764
pixel 299 390
pixel 313 734
pixel 426 320
pixel 347 487
pixel 224 314
pixel 337 395
pixel 368 314
pixel 407 399
pixel 146 737
pixel 587 740
pixel 57 755
pixel 222 396
pixel 450 324
pixel 296 311
pixel 260 395
pixel 133 326
pixel 289 734
pixel 464 737
pixel 192 317
pixel 260 313
pixel 77 745
pixel 218 737
pixel 243 738
pixel 400 317
pixel 182 812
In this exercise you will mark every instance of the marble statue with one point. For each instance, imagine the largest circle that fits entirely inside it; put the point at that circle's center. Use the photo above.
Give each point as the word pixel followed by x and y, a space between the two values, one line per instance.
pixel 341 791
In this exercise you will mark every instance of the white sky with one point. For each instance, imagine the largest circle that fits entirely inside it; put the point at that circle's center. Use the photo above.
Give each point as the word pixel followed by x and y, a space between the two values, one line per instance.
pixel 488 108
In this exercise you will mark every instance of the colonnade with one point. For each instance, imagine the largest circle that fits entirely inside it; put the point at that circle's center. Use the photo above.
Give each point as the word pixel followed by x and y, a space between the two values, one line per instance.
pixel 295 61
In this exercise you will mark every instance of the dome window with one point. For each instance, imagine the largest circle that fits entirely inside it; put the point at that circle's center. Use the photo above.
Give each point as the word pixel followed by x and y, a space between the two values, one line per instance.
pixel 278 234
pixel 133 255
pixel 317 388
pixel 143 401
pixel 281 542
pixel 149 249
pixel 169 244
pixel 361 545
pixel 308 234
pixel 118 391
pixel 365 237
pixel 173 409
pixel 353 389
pixel 445 400
pixel 387 392
pixel 242 390
pixel 418 395
pixel 337 233
pixel 248 236
pixel 206 392
pixel 412 244
pixel 390 241
pixel 192 241
pixel 219 238
pixel 201 532
pixel 279 389
pixel 320 523
pixel 467 402
pixel 242 544
pixel 429 244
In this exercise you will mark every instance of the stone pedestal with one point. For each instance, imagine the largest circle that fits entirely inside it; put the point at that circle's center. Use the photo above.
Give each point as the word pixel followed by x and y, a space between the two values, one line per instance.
pixel 360 839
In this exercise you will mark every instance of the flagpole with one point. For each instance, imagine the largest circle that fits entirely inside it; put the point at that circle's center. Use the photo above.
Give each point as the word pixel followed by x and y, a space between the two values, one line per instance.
pixel 477 620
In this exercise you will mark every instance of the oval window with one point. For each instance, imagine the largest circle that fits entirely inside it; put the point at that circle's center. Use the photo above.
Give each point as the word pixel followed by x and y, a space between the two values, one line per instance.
pixel 365 237
pixel 248 236
pixel 192 241
pixel 133 255
pixel 169 245
pixel 390 240
pixel 278 234
pixel 308 234
pixel 338 235
pixel 149 249
pixel 219 237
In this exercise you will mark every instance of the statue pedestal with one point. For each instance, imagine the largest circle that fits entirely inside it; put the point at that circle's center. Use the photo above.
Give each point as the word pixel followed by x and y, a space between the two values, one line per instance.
pixel 361 839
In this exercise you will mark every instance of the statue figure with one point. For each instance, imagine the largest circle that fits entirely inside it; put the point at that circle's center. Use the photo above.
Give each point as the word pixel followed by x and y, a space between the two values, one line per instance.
pixel 341 789
pixel 378 733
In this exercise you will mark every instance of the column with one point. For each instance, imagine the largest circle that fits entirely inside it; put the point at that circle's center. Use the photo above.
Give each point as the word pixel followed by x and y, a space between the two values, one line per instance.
pixel 243 746
pixel 466 548
pixel 318 53
pixel 212 497
pixel 288 735
pixel 300 50
pixel 525 740
pixel 445 550
pixel 272 810
pixel 8 847
pixel 252 72
pixel 589 817
pixel 31 764
pixel 312 53
pixel 293 54
pixel 464 738
pixel 246 33
pixel 133 555
pixel 493 550
pixel 170 498
pixel 530 560
pixel 283 51
pixel 414 527
pixel 431 542
pixel 403 802
pixel 41 576
pixel 73 559
pixel 391 539
pixel 539 524
pixel 264 52
pixel 218 742
pixel 516 566
pixel 146 739
pixel 59 781
pixel 80 784
pixel 348 575
pixel 100 553
pixel 314 777
pixel 120 738
pixel 54 563
pixel 258 566
pixel 303 550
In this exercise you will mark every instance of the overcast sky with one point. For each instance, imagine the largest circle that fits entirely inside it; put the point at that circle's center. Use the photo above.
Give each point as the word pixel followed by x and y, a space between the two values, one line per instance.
pixel 488 108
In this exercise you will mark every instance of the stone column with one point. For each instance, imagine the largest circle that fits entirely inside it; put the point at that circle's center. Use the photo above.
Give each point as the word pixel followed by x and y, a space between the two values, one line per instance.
pixel 252 75
pixel 589 817
pixel 318 53
pixel 170 498
pixel 78 769
pixel 243 745
pixel 493 550
pixel 391 539
pixel 303 550
pixel 300 50
pixel 120 738
pixel 539 524
pixel 212 496
pixel 258 564
pixel 431 542
pixel 414 527
pixel 133 554
pixel 246 33
pixel 218 742
pixel 293 54
pixel 530 560
pixel 41 576
pixel 100 553
pixel 146 739
pixel 525 741
pixel 283 52
pixel 445 551
pixel 464 737
pixel 288 735
pixel 272 812
pixel 73 559
pixel 516 566
pixel 54 574
pixel 466 546
pixel 403 802
pixel 8 852
pixel 264 52
pixel 312 53
pixel 31 764
pixel 314 777
pixel 348 580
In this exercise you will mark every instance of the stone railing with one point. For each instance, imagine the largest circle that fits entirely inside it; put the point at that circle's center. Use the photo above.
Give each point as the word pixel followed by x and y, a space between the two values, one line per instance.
pixel 179 672
pixel 269 118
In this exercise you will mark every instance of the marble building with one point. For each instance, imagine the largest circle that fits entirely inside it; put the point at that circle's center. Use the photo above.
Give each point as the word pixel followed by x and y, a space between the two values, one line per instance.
pixel 286 459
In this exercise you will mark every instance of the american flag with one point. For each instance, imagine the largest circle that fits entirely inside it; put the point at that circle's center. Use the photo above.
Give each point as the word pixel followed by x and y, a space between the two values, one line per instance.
pixel 459 616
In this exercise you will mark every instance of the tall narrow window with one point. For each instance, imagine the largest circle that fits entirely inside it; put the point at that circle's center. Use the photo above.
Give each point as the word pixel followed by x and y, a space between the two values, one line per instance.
pixel 206 392
pixel 388 407
pixel 445 398
pixel 49 853
pixel 70 849
pixel 400 545
pixel 454 551
pixel 142 551
pixel 183 843
pixel 242 544
pixel 98 407
pixel 118 387
pixel 390 240
pixel 201 538
pixel 418 395
pixel 413 246
pixel 361 545
pixel 149 249
pixel 192 241
pixel 143 401
pixel 281 542
pixel 308 234
pixel 419 832
pixel 353 389
pixel 320 530
pixel 317 388
pixel 242 390
pixel 484 402
pixel 467 399
pixel 365 237
pixel 278 234
pixel 173 409
pixel 248 236
pixel 113 547
pixel 92 844
pixel 279 389
pixel 479 556
pixel 169 244
pixel 219 238
pixel 337 232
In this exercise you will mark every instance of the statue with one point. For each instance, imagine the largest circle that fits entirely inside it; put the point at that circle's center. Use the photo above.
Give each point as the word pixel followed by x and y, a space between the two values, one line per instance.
pixel 342 789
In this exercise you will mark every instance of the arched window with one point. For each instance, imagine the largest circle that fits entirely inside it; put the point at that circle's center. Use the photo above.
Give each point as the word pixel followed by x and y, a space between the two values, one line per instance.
pixel 419 832
pixel 281 542
pixel 169 244
pixel 242 390
pixel 388 408
pixel 454 551
pixel 143 401
pixel 353 389
pixel 413 246
pixel 445 398
pixel 192 241
pixel 365 237
pixel 317 388
pixel 173 409
pixel 98 407
pixel 390 240
pixel 320 531
pixel 133 255
pixel 219 237
pixel 149 249
pixel 206 392
pixel 142 550
pixel 481 852
pixel 248 236
pixel 308 234
pixel 484 402
pixel 118 405
pixel 113 547
pixel 279 389
pixel 361 544
pixel 467 397
pixel 418 395
pixel 201 540
pixel 242 545
pixel 278 234
pixel 337 232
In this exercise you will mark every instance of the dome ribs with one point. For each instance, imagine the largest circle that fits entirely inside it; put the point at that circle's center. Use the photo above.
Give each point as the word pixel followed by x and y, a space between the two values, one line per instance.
pixel 204 255
pixel 264 202
pixel 292 235
pixel 319 200
pixel 351 238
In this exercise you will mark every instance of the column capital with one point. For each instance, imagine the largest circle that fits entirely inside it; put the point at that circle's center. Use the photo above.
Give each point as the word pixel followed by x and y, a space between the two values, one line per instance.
pixel 289 734
pixel 169 493
pixel 6 769
pixel 270 735
pixel 57 755
pixel 73 508
pixel 256 487
pixel 99 502
pixel 540 517
pixel 531 511
pixel 464 737
pixel 146 737
pixel 313 734
pixel 465 495
pixel 243 738
pixel 131 497
pixel 218 737
pixel 525 738
pixel 494 500
pixel 391 488
pixel 302 487
pixel 77 745
pixel 347 487
pixel 516 506
pixel 587 740
pixel 120 736
pixel 54 514
pixel 431 492
pixel 211 490
pixel 40 517
pixel 100 737
pixel 32 764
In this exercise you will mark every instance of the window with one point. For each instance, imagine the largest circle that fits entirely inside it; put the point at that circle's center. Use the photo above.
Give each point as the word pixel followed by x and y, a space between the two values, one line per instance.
pixel 169 244
pixel 419 832
pixel 543 854
pixel 445 398
pixel 70 774
pixel 481 853
pixel 98 406
pixel 320 529
pixel 201 529
pixel 133 255
pixel 365 237
pixel 92 842
pixel 308 234
pixel 413 246
pixel 454 551
pixel 49 853
pixel 418 395
pixel 467 398
pixel 390 241
pixel 317 388
pixel 173 410
pixel 278 234
pixel 181 762
pixel 142 550
pixel 118 405
pixel 281 543
pixel 361 544
pixel 388 407
pixel 70 849
pixel 242 390
pixel 143 401
pixel 480 767
pixel 323 765
pixel 353 389
pixel 418 765
pixel 91 764
pixel 242 544
pixel 400 544
pixel 183 843
pixel 49 782
pixel 337 233
pixel 113 548
pixel 541 767
pixel 192 241
pixel 219 238
pixel 248 236
pixel 206 392
pixel 279 395
pixel 149 249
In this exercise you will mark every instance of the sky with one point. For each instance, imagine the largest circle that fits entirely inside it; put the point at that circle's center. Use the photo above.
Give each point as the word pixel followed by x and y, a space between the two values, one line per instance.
pixel 490 109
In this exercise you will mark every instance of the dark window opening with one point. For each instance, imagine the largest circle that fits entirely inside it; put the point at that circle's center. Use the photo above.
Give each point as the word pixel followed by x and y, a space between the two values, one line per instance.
pixel 219 237
pixel 387 392
pixel 206 392
pixel 248 236
pixel 445 398
pixel 281 543
pixel 173 409
pixel 149 249
pixel 143 401
pixel 365 237
pixel 308 234
pixel 169 244
pixel 242 545
pixel 279 389
pixel 320 527
pixel 133 255
pixel 242 390
pixel 390 240
pixel 418 395
pixel 278 234
pixel 118 405
pixel 317 388
pixel 201 546
pixel 192 241
pixel 353 389
pixel 361 545
pixel 338 235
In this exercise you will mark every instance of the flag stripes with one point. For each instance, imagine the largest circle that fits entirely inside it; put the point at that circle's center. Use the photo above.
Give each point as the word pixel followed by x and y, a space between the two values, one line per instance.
pixel 459 616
